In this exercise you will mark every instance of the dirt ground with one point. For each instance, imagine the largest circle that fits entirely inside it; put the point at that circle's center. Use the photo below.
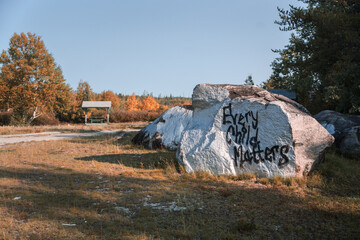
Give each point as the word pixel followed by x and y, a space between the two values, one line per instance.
pixel 104 187
pixel 52 136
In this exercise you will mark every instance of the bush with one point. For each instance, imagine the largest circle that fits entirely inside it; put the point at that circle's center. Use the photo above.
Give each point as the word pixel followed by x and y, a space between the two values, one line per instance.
pixel 5 118
pixel 116 116
pixel 133 116
pixel 46 119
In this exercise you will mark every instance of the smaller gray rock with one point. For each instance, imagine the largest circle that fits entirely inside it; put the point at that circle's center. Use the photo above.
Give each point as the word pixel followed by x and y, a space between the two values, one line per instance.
pixel 351 142
pixel 344 127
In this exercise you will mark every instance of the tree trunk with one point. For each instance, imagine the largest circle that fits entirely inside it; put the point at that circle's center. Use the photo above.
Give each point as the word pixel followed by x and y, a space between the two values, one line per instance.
pixel 34 115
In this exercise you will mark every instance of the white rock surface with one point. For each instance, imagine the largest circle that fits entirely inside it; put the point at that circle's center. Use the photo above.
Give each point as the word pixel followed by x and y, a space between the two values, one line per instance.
pixel 237 129
pixel 166 130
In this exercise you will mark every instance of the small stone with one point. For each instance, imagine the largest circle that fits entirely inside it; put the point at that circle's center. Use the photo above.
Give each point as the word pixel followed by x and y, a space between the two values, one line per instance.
pixel 123 209
pixel 69 224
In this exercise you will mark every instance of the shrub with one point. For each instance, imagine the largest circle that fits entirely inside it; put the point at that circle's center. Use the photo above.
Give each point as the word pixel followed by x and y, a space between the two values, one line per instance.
pixel 277 180
pixel 246 176
pixel 133 116
pixel 5 118
pixel 46 119
pixel 264 181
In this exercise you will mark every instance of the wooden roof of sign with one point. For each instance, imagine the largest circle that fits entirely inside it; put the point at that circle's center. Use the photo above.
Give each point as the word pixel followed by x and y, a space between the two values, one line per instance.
pixel 96 104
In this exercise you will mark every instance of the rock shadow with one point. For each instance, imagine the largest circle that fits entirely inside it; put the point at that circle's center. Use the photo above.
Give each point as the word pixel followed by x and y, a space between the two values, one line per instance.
pixel 143 160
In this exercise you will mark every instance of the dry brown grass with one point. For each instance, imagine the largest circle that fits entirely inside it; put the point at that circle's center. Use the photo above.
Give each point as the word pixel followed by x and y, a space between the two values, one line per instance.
pixel 8 130
pixel 101 188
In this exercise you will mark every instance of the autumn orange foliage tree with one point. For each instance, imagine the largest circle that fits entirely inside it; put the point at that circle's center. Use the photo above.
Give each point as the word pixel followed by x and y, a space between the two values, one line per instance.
pixel 82 93
pixel 33 90
pixel 149 104
pixel 132 103
pixel 31 82
pixel 110 96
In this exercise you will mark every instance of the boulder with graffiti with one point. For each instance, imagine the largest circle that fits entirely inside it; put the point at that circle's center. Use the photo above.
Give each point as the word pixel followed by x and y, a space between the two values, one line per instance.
pixel 235 129
pixel 243 128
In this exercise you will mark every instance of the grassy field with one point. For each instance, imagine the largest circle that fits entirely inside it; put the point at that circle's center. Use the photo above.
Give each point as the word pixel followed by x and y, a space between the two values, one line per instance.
pixel 7 130
pixel 106 188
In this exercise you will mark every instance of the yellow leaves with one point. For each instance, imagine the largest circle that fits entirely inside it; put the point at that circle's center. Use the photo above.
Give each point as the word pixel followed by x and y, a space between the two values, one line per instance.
pixel 29 74
pixel 4 58
pixel 132 103
pixel 24 39
pixel 187 103
pixel 150 104
pixel 110 96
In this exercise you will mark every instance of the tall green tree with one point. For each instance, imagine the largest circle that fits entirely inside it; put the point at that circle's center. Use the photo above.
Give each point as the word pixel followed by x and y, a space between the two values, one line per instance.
pixel 249 81
pixel 322 60
pixel 31 82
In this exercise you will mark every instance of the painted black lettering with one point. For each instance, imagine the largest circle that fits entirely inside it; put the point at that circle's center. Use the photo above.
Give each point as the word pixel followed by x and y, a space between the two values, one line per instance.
pixel 284 158
pixel 254 140
pixel 236 155
pixel 270 153
pixel 243 134
pixel 228 139
pixel 248 156
pixel 257 153
pixel 241 157
pixel 248 135
pixel 238 135
pixel 225 115
pixel 241 117
pixel 255 120
pixel 246 116
pixel 244 131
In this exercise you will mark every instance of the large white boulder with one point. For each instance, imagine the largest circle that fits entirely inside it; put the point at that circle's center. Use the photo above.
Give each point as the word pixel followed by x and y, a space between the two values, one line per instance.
pixel 166 130
pixel 242 128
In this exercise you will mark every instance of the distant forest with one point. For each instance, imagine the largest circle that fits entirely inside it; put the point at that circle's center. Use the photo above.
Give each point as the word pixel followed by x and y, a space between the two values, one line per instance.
pixel 33 91
pixel 321 63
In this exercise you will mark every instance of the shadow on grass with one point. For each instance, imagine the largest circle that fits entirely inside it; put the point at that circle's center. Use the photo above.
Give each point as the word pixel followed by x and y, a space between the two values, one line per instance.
pixel 74 130
pixel 116 138
pixel 90 202
pixel 145 160
pixel 340 175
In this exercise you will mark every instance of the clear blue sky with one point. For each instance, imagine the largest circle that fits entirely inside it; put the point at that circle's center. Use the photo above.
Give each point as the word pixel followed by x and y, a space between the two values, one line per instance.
pixel 158 46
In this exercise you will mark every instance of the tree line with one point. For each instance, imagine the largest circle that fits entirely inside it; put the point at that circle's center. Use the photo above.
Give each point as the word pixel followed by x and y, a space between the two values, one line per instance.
pixel 321 62
pixel 32 87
